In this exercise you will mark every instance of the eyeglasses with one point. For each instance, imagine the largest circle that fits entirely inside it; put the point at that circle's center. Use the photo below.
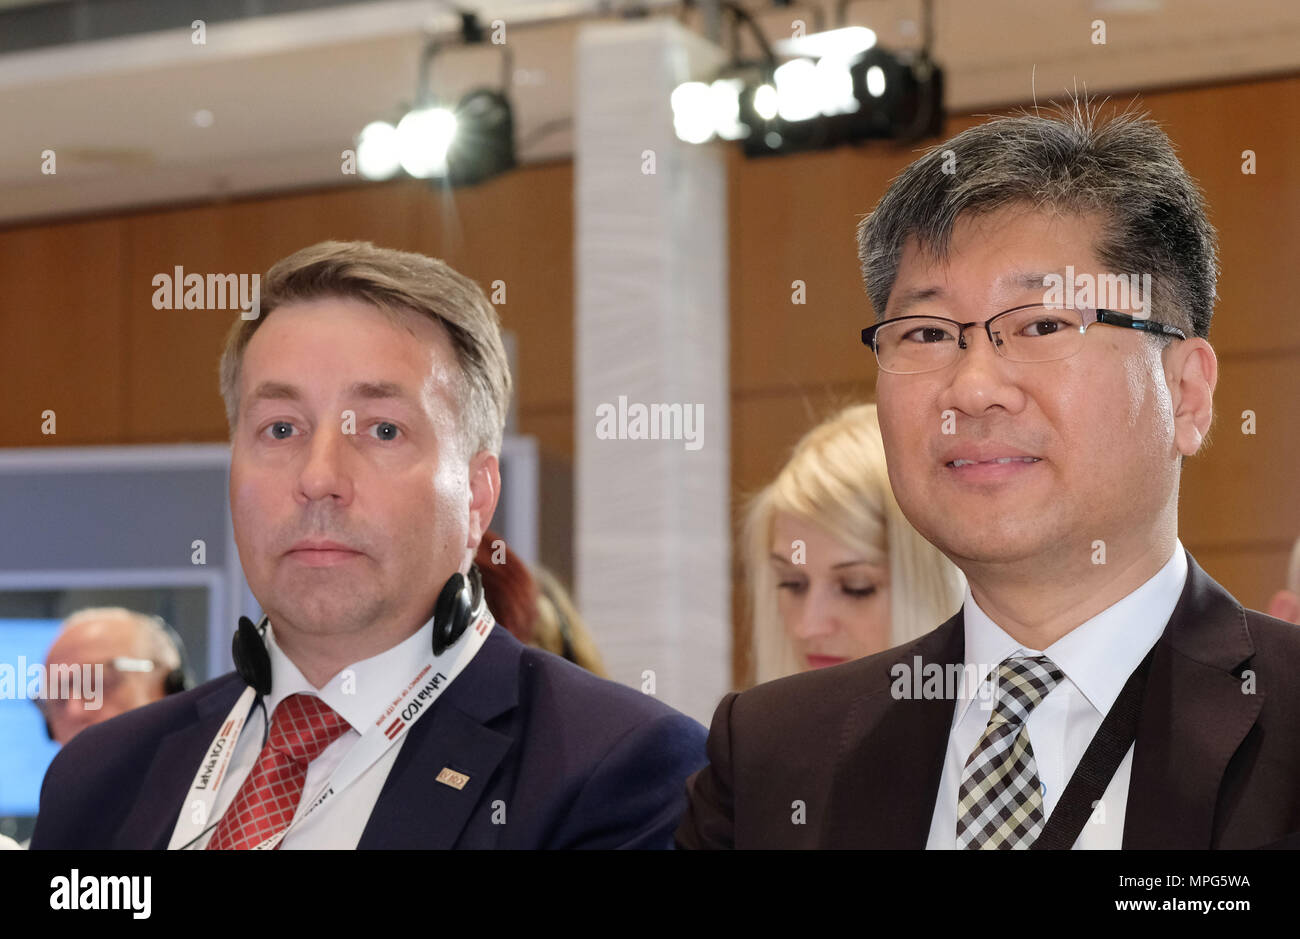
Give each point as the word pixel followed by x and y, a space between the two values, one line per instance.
pixel 114 670
pixel 1034 333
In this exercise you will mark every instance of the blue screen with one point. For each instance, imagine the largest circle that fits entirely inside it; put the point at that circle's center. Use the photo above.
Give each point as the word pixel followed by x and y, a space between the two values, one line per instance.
pixel 25 750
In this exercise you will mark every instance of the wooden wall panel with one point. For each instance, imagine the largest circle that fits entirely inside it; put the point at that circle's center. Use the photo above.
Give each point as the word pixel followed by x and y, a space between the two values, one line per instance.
pixel 1251 574
pixel 170 371
pixel 61 333
pixel 553 429
pixel 1257 215
pixel 517 229
pixel 765 428
pixel 1241 491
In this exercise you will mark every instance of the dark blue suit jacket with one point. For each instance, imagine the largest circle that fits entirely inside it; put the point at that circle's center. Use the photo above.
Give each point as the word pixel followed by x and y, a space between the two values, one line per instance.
pixel 576 761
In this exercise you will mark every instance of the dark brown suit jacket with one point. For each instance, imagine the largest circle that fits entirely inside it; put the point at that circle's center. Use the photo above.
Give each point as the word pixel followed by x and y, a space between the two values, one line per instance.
pixel 1213 766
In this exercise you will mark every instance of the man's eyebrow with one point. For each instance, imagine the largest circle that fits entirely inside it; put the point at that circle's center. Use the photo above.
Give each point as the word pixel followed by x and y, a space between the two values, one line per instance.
pixel 915 295
pixel 376 390
pixel 370 390
pixel 1015 280
pixel 1028 280
pixel 275 391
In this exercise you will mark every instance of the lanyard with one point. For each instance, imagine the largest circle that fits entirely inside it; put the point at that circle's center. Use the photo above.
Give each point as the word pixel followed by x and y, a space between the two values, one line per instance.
pixel 1100 761
pixel 431 679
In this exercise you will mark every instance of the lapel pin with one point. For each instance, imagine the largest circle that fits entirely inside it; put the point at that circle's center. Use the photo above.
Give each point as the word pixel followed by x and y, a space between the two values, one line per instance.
pixel 449 777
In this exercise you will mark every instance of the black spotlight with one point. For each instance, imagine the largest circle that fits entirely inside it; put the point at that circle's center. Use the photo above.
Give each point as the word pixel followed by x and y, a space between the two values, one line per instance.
pixel 899 97
pixel 484 145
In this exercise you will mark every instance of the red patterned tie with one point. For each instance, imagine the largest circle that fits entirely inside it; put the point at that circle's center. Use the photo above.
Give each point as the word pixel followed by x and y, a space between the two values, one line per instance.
pixel 303 725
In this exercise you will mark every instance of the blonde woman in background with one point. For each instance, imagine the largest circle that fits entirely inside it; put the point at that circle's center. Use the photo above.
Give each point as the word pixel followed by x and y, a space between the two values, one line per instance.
pixel 834 571
pixel 559 628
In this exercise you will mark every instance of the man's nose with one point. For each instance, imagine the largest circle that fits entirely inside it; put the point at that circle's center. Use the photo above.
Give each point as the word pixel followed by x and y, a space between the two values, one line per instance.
pixel 980 376
pixel 325 473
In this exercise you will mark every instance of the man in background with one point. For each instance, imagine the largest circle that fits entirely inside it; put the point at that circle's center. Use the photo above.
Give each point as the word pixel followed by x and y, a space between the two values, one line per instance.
pixel 141 663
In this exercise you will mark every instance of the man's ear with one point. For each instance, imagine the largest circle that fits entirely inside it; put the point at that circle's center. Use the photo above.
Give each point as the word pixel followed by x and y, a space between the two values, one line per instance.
pixel 484 491
pixel 1191 372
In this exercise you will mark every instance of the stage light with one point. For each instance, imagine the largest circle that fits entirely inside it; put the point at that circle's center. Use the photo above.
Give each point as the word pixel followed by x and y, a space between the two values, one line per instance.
pixel 835 87
pixel 845 43
pixel 797 90
pixel 377 150
pixel 454 145
pixel 692 114
pixel 484 145
pixel 423 139
pixel 838 87
pixel 724 103
pixel 875 81
pixel 702 111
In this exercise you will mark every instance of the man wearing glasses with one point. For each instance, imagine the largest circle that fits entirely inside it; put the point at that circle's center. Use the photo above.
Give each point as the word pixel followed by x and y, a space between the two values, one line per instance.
pixel 137 655
pixel 1097 689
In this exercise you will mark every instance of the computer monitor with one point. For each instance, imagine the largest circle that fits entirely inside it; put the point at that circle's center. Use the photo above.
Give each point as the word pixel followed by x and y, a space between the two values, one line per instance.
pixel 29 622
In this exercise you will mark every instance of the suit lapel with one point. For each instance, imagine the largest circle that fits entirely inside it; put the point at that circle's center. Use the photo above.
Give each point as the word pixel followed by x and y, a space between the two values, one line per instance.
pixel 878 801
pixel 1194 717
pixel 167 780
pixel 414 809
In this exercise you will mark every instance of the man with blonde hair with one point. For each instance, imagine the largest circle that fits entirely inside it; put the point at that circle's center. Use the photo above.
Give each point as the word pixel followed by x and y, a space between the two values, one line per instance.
pixel 376 705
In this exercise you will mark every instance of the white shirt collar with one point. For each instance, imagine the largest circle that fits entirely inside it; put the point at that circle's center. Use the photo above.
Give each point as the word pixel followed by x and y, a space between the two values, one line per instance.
pixel 1099 654
pixel 359 692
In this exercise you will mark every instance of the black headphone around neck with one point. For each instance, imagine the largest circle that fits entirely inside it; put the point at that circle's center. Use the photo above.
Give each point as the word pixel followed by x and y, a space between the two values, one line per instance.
pixel 458 605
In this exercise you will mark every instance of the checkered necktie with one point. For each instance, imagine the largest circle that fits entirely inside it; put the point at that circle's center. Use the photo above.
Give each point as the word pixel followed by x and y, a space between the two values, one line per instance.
pixel 1000 804
pixel 303 725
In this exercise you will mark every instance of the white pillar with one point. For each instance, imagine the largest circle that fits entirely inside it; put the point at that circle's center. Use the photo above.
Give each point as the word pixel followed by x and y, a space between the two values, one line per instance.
pixel 652 538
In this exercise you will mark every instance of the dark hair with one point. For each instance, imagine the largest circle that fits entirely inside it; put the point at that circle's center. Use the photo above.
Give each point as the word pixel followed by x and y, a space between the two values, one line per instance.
pixel 1124 168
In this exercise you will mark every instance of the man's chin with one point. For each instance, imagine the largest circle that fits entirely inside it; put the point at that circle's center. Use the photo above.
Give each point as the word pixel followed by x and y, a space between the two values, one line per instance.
pixel 999 543
pixel 325 612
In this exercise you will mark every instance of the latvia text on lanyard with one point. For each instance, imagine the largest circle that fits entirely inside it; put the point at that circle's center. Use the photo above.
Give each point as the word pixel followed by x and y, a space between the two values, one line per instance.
pixel 435 675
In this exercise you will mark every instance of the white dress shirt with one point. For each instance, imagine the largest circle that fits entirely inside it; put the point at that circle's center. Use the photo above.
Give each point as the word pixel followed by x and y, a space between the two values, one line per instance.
pixel 1096 659
pixel 358 693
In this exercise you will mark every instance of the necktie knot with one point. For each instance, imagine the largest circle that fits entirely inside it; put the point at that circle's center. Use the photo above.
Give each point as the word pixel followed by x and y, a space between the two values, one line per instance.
pixel 1022 682
pixel 303 725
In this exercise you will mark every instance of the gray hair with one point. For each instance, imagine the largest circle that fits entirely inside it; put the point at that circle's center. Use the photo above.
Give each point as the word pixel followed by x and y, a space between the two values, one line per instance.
pixel 1124 168
pixel 161 648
